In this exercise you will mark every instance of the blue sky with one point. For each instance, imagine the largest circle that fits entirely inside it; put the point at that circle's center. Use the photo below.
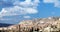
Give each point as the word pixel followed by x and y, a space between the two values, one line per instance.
pixel 13 11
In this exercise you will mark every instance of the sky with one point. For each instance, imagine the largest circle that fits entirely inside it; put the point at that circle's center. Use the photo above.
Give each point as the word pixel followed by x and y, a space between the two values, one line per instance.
pixel 14 11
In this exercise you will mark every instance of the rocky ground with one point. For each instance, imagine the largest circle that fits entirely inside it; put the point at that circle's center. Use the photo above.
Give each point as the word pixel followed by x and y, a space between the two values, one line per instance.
pixel 50 24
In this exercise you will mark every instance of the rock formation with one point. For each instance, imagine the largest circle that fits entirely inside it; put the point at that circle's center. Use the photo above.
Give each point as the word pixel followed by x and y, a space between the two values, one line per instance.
pixel 50 24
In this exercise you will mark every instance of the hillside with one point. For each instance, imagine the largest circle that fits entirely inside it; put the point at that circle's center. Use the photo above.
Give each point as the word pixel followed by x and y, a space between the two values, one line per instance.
pixel 50 24
pixel 5 25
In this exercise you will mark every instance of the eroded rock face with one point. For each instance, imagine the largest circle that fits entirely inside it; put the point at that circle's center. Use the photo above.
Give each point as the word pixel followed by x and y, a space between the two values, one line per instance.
pixel 40 25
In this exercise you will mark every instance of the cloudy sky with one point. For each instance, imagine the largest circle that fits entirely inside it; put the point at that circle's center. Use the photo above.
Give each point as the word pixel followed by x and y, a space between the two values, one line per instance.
pixel 13 11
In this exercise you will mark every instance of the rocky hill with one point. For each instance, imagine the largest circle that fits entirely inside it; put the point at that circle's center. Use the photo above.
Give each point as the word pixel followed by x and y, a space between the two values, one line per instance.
pixel 50 24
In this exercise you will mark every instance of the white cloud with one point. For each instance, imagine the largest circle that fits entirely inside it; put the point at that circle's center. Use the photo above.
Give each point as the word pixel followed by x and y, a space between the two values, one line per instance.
pixel 26 17
pixel 16 10
pixel 31 11
pixel 9 0
pixel 48 1
pixel 56 2
pixel 4 19
pixel 21 8
pixel 27 3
